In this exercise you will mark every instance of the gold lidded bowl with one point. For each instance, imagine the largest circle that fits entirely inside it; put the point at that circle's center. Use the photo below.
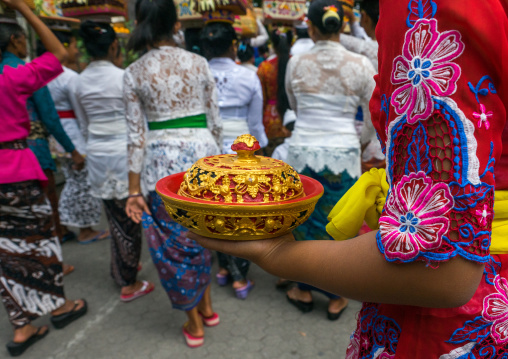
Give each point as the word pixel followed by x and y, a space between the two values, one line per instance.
pixel 240 197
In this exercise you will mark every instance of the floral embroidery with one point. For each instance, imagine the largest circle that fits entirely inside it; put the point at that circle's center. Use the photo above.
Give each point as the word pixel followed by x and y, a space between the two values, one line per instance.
pixel 425 69
pixel 353 349
pixel 495 309
pixel 483 117
pixel 483 214
pixel 414 218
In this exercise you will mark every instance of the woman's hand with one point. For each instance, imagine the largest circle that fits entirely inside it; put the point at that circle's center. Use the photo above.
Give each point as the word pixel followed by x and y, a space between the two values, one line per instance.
pixel 256 251
pixel 79 161
pixel 135 207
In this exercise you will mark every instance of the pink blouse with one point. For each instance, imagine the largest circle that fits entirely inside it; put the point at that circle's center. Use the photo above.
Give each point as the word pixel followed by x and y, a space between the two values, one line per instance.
pixel 16 86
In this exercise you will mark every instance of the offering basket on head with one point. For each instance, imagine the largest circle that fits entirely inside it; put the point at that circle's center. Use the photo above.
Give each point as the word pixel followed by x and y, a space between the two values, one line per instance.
pixel 240 197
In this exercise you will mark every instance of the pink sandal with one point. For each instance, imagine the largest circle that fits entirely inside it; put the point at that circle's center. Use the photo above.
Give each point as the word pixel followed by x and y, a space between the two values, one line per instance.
pixel 212 321
pixel 145 289
pixel 192 341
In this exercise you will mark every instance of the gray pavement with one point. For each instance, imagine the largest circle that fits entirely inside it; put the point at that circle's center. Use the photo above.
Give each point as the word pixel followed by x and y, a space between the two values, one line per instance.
pixel 265 325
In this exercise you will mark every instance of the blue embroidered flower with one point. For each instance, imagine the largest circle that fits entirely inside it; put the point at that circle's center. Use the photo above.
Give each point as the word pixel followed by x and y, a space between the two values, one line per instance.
pixel 418 70
pixel 408 223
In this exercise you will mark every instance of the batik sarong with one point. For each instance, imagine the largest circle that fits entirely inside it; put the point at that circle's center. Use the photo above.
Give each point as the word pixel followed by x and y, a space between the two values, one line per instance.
pixel 183 265
pixel 77 207
pixel 125 243
pixel 30 254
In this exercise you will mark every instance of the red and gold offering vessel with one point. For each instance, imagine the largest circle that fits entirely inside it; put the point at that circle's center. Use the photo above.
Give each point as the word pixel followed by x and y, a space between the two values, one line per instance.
pixel 240 197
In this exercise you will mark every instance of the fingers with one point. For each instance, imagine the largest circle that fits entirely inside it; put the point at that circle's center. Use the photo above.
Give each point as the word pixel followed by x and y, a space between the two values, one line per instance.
pixel 134 214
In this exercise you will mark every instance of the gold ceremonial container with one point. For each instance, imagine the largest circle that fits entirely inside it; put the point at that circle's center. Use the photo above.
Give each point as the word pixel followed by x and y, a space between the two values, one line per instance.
pixel 240 197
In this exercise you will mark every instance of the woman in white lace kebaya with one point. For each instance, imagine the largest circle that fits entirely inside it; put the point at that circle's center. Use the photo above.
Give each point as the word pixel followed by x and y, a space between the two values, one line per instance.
pixel 101 112
pixel 173 120
pixel 325 87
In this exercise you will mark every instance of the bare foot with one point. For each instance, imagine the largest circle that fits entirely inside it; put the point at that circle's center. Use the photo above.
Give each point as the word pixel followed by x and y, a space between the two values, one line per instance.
pixel 240 283
pixel 22 334
pixel 336 305
pixel 67 268
pixel 223 271
pixel 194 330
pixel 297 294
pixel 69 306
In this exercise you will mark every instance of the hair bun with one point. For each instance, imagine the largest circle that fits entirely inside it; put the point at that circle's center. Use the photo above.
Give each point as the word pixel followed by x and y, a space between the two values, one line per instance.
pixel 331 19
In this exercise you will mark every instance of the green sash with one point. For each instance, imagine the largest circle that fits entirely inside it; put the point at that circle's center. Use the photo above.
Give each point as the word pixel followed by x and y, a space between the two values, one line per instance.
pixel 197 121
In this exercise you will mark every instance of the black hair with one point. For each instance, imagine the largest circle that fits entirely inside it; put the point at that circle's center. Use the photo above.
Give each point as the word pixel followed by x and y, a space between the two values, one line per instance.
pixel 192 40
pixel 8 30
pixel 156 21
pixel 326 24
pixel 65 37
pixel 97 37
pixel 282 44
pixel 245 52
pixel 371 8
pixel 217 38
pixel 302 33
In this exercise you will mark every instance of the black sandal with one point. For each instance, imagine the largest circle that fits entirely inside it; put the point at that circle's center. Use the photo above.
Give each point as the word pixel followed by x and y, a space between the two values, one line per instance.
pixel 16 349
pixel 304 307
pixel 335 316
pixel 62 320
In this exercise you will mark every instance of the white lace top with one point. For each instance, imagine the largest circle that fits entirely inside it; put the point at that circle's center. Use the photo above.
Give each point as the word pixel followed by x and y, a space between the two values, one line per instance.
pixel 169 83
pixel 325 86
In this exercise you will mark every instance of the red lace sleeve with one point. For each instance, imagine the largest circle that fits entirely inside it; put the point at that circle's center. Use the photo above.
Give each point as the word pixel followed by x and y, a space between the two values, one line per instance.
pixel 441 115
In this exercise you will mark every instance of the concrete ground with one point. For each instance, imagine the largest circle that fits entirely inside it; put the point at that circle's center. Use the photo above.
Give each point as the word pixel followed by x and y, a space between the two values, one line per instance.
pixel 265 325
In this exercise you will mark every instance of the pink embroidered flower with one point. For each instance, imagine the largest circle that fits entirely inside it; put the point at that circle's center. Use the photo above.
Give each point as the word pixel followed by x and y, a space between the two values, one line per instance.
pixel 483 214
pixel 483 117
pixel 425 69
pixel 414 218
pixel 495 309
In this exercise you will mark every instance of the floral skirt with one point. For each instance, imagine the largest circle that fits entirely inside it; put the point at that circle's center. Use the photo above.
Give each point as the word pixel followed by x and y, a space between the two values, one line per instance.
pixel 182 264
pixel 476 330
pixel 30 254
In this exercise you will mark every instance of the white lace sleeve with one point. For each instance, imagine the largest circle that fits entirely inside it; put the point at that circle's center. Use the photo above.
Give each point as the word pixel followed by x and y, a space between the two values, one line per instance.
pixel 368 131
pixel 289 87
pixel 213 118
pixel 367 48
pixel 136 124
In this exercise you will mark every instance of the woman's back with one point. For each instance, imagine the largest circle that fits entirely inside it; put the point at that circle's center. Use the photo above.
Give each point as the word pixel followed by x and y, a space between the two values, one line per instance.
pixel 171 83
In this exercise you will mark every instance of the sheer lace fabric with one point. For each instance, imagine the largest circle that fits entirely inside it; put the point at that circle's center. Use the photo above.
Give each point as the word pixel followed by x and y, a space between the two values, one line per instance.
pixel 325 88
pixel 165 84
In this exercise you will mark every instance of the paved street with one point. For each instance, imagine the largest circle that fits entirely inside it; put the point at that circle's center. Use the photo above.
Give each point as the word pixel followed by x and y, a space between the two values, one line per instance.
pixel 263 326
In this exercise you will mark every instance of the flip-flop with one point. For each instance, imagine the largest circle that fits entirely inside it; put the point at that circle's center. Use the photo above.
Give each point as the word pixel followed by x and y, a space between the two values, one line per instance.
pixel 101 235
pixel 62 320
pixel 212 321
pixel 192 341
pixel 16 349
pixel 304 307
pixel 243 292
pixel 335 316
pixel 223 279
pixel 145 289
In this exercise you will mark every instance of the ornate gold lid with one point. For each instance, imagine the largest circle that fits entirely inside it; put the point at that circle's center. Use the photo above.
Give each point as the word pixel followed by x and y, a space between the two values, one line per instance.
pixel 242 178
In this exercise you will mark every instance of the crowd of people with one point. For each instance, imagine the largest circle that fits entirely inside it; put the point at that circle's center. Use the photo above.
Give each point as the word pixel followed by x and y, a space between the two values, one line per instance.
pixel 305 97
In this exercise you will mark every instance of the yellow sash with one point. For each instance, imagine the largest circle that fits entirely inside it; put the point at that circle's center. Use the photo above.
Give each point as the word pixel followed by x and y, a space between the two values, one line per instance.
pixel 366 199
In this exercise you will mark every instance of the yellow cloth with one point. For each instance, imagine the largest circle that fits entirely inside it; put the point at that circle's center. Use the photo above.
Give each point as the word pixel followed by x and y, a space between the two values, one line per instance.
pixel 366 199
pixel 499 243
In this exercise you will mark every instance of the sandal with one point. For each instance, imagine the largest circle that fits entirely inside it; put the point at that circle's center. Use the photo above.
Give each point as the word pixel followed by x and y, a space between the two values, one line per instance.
pixel 101 235
pixel 212 321
pixel 67 269
pixel 62 320
pixel 145 289
pixel 190 340
pixel 304 307
pixel 16 349
pixel 243 292
pixel 223 279
pixel 69 236
pixel 335 316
